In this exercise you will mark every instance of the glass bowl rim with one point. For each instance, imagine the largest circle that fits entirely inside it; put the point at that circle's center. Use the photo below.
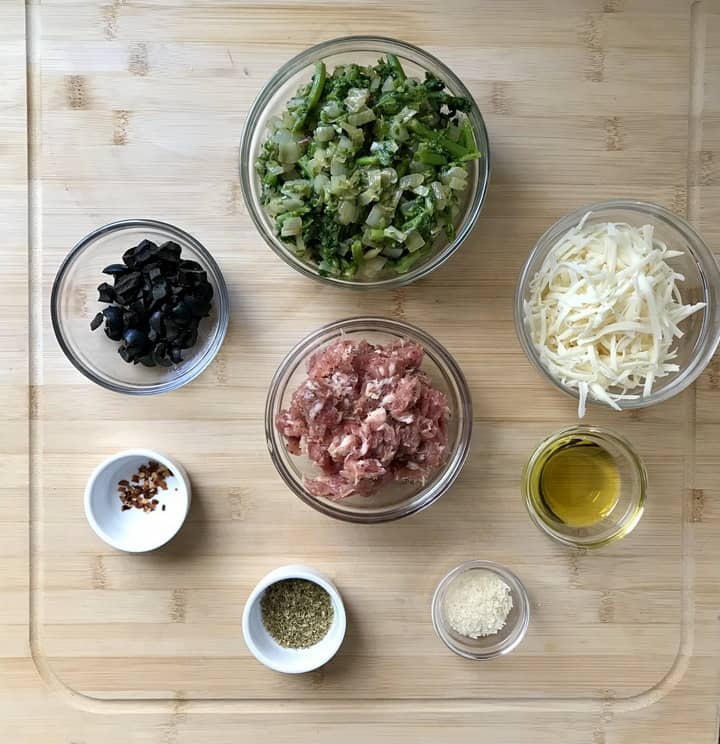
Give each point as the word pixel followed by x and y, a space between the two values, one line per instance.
pixel 708 269
pixel 599 432
pixel 518 632
pixel 456 459
pixel 304 59
pixel 222 305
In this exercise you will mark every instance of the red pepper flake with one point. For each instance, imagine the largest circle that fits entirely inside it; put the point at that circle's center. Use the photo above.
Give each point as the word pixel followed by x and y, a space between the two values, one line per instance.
pixel 146 484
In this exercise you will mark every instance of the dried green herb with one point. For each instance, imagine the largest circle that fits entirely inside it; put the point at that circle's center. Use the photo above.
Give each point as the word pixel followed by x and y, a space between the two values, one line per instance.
pixel 297 613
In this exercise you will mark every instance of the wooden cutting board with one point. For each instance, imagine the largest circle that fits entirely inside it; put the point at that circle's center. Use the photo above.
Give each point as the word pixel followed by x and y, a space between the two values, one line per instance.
pixel 135 109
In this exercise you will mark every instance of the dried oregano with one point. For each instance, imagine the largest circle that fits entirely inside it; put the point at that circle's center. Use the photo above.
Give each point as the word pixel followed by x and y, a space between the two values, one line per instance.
pixel 297 613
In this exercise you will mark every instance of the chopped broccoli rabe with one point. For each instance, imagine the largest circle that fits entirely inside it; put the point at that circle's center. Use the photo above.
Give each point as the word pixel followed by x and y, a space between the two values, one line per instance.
pixel 365 169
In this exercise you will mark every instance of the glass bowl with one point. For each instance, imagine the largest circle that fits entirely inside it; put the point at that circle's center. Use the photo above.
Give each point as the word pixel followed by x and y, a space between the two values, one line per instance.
pixel 361 50
pixel 74 303
pixel 490 646
pixel 625 514
pixel 702 284
pixel 398 499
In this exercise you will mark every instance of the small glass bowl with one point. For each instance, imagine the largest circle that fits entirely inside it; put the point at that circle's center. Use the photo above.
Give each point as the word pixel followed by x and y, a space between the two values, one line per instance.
pixel 702 284
pixel 394 500
pixel 487 647
pixel 74 303
pixel 362 50
pixel 623 517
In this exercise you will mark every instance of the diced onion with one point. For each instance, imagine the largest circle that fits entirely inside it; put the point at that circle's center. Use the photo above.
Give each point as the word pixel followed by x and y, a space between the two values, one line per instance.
pixel 291 226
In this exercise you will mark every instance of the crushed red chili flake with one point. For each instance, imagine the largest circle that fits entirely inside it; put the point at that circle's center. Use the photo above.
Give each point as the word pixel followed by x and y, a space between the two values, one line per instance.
pixel 146 484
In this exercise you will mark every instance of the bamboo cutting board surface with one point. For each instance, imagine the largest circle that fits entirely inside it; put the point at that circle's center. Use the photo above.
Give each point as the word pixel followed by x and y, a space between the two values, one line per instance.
pixel 136 109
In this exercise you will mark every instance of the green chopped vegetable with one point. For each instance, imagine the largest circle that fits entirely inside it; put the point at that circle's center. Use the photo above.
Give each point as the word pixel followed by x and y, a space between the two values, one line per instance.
pixel 364 171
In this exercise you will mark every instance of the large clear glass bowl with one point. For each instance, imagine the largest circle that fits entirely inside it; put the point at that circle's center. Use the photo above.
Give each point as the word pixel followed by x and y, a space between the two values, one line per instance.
pixel 362 50
pixel 398 499
pixel 74 303
pixel 702 284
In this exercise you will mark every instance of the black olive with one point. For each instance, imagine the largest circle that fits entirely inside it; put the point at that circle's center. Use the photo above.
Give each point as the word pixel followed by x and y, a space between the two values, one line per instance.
pixel 188 338
pixel 114 334
pixel 161 355
pixel 106 293
pixel 125 283
pixel 172 330
pixel 113 314
pixel 147 359
pixel 191 273
pixel 115 269
pixel 199 307
pixel 131 320
pixel 204 290
pixel 170 252
pixel 159 291
pixel 137 307
pixel 135 339
pixel 126 354
pixel 154 271
pixel 145 252
pixel 158 299
pixel 157 322
pixel 96 322
pixel 182 314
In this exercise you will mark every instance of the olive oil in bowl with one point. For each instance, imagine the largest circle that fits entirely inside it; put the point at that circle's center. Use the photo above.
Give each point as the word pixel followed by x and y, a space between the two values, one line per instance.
pixel 580 483
pixel 585 486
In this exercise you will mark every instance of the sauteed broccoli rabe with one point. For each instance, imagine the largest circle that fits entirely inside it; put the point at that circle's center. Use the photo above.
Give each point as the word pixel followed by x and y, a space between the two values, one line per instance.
pixel 366 168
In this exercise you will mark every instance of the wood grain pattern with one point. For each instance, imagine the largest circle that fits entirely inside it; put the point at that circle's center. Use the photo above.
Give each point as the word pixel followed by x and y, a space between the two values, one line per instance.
pixel 136 109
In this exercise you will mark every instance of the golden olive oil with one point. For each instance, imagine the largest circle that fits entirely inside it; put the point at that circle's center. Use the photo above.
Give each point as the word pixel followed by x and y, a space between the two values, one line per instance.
pixel 579 483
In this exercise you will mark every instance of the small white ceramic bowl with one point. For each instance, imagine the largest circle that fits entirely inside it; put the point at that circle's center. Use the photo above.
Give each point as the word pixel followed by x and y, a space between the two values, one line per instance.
pixel 292 661
pixel 134 530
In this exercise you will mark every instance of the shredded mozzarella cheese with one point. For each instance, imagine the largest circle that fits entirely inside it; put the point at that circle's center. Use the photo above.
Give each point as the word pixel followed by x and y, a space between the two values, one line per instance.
pixel 604 310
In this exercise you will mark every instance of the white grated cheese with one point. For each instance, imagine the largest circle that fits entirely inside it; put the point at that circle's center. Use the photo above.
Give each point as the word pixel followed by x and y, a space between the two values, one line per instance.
pixel 604 310
pixel 477 603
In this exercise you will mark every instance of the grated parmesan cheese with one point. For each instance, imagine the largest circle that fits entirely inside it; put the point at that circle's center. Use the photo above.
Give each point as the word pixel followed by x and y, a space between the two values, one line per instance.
pixel 604 310
pixel 477 603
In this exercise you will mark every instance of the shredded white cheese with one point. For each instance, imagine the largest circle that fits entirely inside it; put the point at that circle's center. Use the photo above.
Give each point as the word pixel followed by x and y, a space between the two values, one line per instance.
pixel 604 309
pixel 477 603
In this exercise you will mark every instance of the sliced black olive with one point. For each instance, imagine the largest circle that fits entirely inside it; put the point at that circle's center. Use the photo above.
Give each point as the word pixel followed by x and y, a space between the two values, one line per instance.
pixel 129 258
pixel 125 353
pixel 115 269
pixel 106 293
pixel 159 291
pixel 145 252
pixel 147 359
pixel 137 307
pixel 96 322
pixel 199 307
pixel 170 252
pixel 182 314
pixel 125 283
pixel 154 271
pixel 157 321
pixel 176 354
pixel 188 338
pixel 113 314
pixel 135 339
pixel 191 273
pixel 172 330
pixel 161 355
pixel 204 290
pixel 132 320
